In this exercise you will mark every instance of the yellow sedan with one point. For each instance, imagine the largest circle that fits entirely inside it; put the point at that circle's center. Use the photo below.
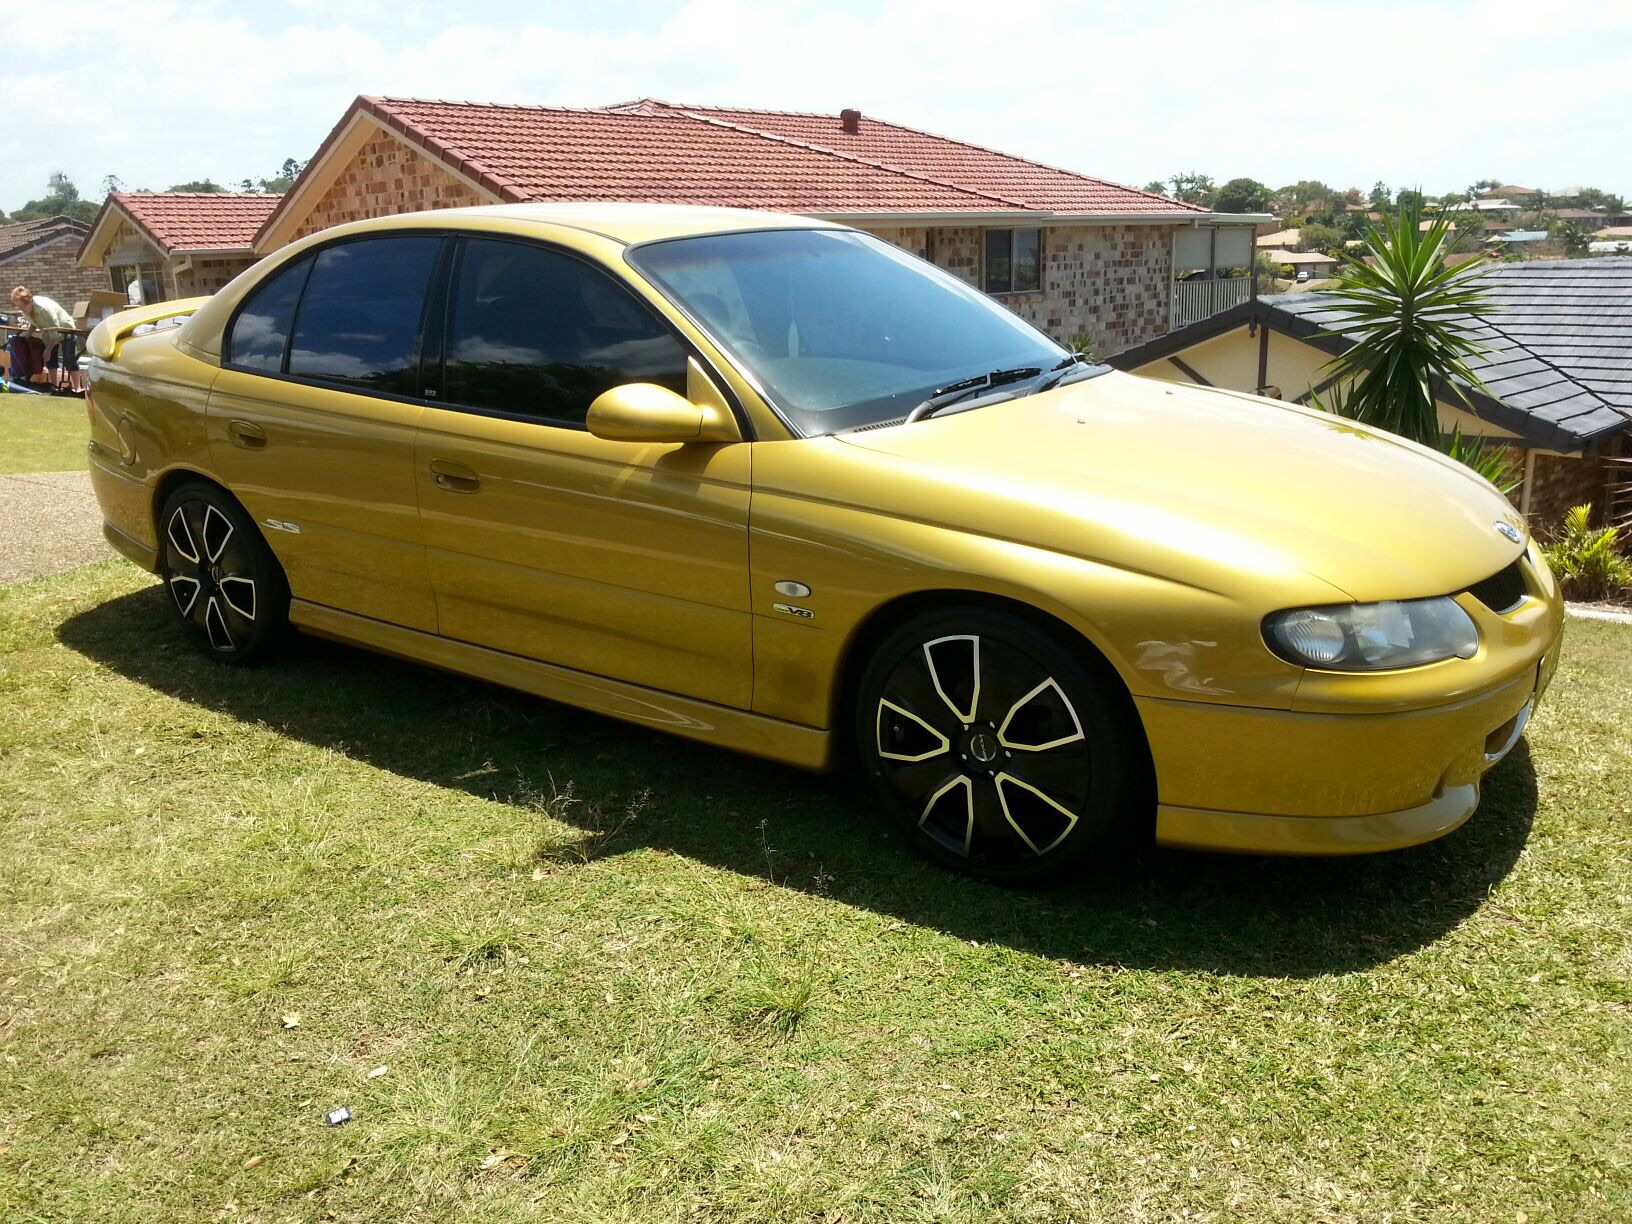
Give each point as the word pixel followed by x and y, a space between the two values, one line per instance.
pixel 777 485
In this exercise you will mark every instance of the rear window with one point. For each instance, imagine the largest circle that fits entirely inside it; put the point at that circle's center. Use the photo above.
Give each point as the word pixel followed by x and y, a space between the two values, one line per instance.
pixel 260 333
pixel 360 317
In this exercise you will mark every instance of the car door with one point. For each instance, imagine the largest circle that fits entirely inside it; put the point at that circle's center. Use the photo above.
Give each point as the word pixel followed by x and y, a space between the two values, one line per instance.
pixel 312 422
pixel 627 560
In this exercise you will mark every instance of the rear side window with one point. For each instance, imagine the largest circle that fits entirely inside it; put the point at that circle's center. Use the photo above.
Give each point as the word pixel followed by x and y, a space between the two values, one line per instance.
pixel 537 334
pixel 359 319
pixel 260 333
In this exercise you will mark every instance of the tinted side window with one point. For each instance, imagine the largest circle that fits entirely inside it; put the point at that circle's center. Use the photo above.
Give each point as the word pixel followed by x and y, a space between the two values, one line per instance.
pixel 359 319
pixel 260 333
pixel 541 334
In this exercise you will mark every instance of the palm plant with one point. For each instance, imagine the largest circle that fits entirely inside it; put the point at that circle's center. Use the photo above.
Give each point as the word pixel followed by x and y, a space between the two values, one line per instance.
pixel 1496 463
pixel 1585 561
pixel 1408 315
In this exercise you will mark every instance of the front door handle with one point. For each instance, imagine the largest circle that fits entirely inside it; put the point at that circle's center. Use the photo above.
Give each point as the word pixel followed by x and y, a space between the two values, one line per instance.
pixel 454 477
pixel 245 434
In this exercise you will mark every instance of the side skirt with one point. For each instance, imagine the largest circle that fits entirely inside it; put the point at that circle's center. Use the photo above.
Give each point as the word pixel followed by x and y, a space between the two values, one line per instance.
pixel 738 730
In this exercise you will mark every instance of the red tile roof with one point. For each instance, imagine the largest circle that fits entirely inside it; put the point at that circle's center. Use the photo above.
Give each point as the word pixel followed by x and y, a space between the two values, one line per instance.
pixel 657 152
pixel 1016 181
pixel 181 221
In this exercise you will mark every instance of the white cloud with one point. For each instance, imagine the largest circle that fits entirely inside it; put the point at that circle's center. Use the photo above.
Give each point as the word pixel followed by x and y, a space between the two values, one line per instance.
pixel 1344 90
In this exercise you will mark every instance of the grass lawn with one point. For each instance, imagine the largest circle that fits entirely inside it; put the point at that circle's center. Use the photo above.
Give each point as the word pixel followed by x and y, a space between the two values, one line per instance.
pixel 563 969
pixel 42 433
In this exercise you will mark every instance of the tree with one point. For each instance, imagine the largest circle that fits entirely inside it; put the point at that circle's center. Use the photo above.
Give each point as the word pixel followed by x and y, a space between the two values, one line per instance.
pixel 1407 314
pixel 1571 238
pixel 285 178
pixel 112 183
pixel 1379 196
pixel 1156 187
pixel 1241 195
pixel 1410 199
pixel 1192 188
pixel 197 185
pixel 1320 238
pixel 1307 194
pixel 60 200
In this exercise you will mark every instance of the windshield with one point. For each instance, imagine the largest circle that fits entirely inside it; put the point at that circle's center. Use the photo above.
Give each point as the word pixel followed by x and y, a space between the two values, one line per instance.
pixel 839 328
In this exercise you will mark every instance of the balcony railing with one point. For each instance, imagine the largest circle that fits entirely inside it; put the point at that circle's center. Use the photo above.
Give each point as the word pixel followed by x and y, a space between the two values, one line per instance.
pixel 1194 300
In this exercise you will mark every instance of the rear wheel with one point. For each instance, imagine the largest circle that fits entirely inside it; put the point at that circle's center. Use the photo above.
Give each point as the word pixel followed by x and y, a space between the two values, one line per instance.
pixel 223 580
pixel 993 743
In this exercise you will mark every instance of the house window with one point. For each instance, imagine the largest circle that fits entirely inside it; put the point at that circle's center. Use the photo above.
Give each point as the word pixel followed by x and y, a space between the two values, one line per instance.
pixel 1014 260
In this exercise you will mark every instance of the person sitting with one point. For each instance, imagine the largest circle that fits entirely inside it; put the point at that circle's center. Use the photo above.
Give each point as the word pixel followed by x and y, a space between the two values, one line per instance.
pixel 27 356
pixel 55 328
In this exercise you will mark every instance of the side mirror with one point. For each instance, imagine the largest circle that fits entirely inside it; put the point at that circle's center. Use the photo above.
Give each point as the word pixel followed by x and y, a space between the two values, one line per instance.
pixel 646 412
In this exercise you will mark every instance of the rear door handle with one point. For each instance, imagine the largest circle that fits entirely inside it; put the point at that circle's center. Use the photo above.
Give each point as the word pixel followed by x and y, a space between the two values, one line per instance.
pixel 246 435
pixel 454 477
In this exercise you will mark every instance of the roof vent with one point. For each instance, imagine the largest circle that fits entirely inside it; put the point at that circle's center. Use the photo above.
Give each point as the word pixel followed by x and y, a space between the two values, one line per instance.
pixel 850 120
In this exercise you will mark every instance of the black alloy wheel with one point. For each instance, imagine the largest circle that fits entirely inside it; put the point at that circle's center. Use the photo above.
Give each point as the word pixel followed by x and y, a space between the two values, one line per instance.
pixel 222 578
pixel 992 741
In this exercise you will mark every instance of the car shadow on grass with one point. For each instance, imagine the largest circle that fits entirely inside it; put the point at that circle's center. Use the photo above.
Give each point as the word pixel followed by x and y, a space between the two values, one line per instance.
pixel 1244 915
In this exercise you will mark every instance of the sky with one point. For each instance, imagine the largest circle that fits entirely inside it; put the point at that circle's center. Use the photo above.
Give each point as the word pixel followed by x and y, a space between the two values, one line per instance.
pixel 1429 94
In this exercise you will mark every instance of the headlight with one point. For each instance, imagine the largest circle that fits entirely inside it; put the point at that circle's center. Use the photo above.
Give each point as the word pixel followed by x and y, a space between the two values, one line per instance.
pixel 1373 637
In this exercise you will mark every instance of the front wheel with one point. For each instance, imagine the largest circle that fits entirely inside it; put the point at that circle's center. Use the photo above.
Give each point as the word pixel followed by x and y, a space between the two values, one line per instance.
pixel 995 745
pixel 223 580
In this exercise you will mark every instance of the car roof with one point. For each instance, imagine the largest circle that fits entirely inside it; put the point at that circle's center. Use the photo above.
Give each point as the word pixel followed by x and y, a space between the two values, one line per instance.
pixel 621 222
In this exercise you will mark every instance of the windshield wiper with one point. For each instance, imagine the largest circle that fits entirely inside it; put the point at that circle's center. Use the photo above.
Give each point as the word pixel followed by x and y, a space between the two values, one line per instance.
pixel 1066 367
pixel 953 392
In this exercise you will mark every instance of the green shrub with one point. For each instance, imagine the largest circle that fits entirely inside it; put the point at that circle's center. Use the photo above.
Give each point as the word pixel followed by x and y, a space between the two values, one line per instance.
pixel 1585 561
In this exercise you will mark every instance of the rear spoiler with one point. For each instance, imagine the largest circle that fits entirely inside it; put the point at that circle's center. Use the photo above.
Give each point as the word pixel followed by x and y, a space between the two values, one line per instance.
pixel 108 335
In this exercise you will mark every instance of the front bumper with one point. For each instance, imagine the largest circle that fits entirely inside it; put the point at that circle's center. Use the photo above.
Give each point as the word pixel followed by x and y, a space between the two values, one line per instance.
pixel 1284 782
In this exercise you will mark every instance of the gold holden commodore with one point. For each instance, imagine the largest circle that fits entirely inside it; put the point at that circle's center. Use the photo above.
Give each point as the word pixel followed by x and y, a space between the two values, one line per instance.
pixel 777 485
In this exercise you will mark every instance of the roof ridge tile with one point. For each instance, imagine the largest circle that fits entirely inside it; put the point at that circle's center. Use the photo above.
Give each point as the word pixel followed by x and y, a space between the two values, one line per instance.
pixel 1180 205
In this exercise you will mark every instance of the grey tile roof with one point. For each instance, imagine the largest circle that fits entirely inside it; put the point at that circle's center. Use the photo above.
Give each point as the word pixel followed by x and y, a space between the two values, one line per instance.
pixel 1558 341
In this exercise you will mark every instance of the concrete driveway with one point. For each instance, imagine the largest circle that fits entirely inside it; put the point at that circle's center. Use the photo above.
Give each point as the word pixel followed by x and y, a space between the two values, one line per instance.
pixel 49 522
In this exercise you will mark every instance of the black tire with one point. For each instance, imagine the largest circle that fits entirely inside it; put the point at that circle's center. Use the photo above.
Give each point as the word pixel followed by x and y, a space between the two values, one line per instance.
pixel 1018 781
pixel 222 579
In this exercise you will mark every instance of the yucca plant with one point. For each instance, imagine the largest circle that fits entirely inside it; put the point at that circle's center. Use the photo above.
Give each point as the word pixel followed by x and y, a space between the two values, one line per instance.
pixel 1407 315
pixel 1498 464
pixel 1585 561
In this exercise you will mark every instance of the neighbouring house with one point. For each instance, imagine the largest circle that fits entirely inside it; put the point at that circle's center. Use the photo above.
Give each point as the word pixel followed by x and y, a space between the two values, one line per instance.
pixel 1556 367
pixel 1305 265
pixel 1520 237
pixel 1586 218
pixel 1280 239
pixel 1506 193
pixel 42 254
pixel 177 243
pixel 1494 207
pixel 1076 255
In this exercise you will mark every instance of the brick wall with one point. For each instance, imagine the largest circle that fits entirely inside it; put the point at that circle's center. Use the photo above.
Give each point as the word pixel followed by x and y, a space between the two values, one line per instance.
pixel 1562 482
pixel 386 177
pixel 51 270
pixel 1108 281
pixel 206 275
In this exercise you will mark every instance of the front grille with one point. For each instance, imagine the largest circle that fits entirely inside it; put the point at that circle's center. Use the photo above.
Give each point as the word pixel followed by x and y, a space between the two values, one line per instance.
pixel 1502 591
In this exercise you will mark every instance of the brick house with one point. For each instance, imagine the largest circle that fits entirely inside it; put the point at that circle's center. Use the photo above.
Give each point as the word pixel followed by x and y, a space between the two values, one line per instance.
pixel 1556 351
pixel 42 254
pixel 179 243
pixel 1076 255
